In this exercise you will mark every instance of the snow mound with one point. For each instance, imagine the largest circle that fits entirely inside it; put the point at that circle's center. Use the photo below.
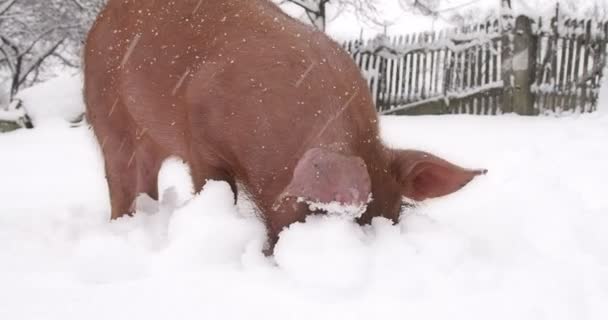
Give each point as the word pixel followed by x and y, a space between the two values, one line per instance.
pixel 209 230
pixel 336 208
pixel 527 241
pixel 57 98
pixel 326 251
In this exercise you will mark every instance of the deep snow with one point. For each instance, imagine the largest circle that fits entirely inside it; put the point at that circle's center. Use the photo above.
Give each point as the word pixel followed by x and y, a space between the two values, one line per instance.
pixel 527 241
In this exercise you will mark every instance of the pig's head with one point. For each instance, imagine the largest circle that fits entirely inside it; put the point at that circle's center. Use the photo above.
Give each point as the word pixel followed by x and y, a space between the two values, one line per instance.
pixel 324 176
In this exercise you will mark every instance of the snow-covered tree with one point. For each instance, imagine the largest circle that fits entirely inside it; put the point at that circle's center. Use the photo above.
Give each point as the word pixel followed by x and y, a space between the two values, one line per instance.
pixel 317 11
pixel 423 7
pixel 39 35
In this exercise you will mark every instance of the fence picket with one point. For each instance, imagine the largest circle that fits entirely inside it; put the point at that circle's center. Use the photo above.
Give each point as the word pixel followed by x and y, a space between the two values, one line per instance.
pixel 597 56
pixel 399 72
pixel 477 69
pixel 432 66
pixel 586 55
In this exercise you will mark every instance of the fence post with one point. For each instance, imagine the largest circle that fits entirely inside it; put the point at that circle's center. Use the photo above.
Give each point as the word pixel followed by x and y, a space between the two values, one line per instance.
pixel 381 104
pixel 506 72
pixel 518 67
pixel 524 66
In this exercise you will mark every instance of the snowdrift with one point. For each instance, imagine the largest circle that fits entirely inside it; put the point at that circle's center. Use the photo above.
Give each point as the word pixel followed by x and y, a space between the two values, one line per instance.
pixel 527 241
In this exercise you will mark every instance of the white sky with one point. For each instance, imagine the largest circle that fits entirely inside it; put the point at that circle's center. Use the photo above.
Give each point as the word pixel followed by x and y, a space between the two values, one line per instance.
pixel 347 26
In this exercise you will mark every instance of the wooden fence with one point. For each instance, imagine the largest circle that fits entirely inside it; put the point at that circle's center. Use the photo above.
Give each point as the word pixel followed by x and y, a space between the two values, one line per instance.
pixel 518 65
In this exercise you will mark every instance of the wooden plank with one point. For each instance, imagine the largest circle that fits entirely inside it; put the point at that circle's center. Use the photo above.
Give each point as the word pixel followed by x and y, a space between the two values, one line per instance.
pixel 547 70
pixel 540 54
pixel 485 79
pixel 376 61
pixel 561 69
pixel 597 67
pixel 372 80
pixel 447 62
pixel 472 74
pixel 456 76
pixel 369 69
pixel 585 71
pixel 471 71
pixel 461 77
pixel 439 65
pixel 603 50
pixel 422 73
pixel 507 70
pixel 432 106
pixel 400 77
pixel 497 60
pixel 571 27
pixel 432 65
pixel 491 73
pixel 553 75
pixel 449 75
pixel 411 73
pixel 392 64
pixel 480 71
pixel 464 81
pixel 405 70
pixel 417 64
pixel 578 44
pixel 389 82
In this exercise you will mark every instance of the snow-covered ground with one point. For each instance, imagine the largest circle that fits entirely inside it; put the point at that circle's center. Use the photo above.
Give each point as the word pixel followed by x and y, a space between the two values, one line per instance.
pixel 527 241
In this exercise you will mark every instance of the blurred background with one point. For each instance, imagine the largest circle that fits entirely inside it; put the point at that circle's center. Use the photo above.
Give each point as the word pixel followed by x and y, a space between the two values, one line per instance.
pixel 42 39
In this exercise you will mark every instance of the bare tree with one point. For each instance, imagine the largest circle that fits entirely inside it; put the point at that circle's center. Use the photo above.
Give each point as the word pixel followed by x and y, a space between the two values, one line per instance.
pixel 6 5
pixel 318 14
pixel 423 7
pixel 23 61
pixel 317 11
pixel 36 36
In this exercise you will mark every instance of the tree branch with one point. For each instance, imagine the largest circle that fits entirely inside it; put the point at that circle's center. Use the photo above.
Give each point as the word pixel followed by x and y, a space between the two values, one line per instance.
pixel 39 61
pixel 35 41
pixel 4 7
pixel 64 60
pixel 302 4
pixel 79 4
pixel 9 62
pixel 44 34
pixel 11 44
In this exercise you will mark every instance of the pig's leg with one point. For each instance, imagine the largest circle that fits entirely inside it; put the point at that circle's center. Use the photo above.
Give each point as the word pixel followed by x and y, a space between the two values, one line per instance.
pixel 132 163
pixel 279 217
pixel 202 172
pixel 148 158
pixel 117 150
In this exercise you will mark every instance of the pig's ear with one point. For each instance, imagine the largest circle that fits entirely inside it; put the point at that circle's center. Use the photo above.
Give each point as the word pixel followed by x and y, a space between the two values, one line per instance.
pixel 423 175
pixel 324 176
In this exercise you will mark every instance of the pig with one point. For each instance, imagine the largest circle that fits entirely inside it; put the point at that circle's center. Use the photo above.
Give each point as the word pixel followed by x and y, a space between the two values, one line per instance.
pixel 245 94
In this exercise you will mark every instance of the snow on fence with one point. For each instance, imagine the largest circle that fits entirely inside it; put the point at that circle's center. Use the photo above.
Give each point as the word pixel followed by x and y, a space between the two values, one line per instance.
pixel 523 66
pixel 571 55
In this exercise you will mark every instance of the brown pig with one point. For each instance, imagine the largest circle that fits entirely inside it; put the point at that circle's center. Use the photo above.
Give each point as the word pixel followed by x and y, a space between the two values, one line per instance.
pixel 245 94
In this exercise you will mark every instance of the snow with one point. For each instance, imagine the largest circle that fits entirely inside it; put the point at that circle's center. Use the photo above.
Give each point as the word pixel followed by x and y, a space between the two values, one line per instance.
pixel 526 241
pixel 58 98
pixel 346 211
pixel 11 115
